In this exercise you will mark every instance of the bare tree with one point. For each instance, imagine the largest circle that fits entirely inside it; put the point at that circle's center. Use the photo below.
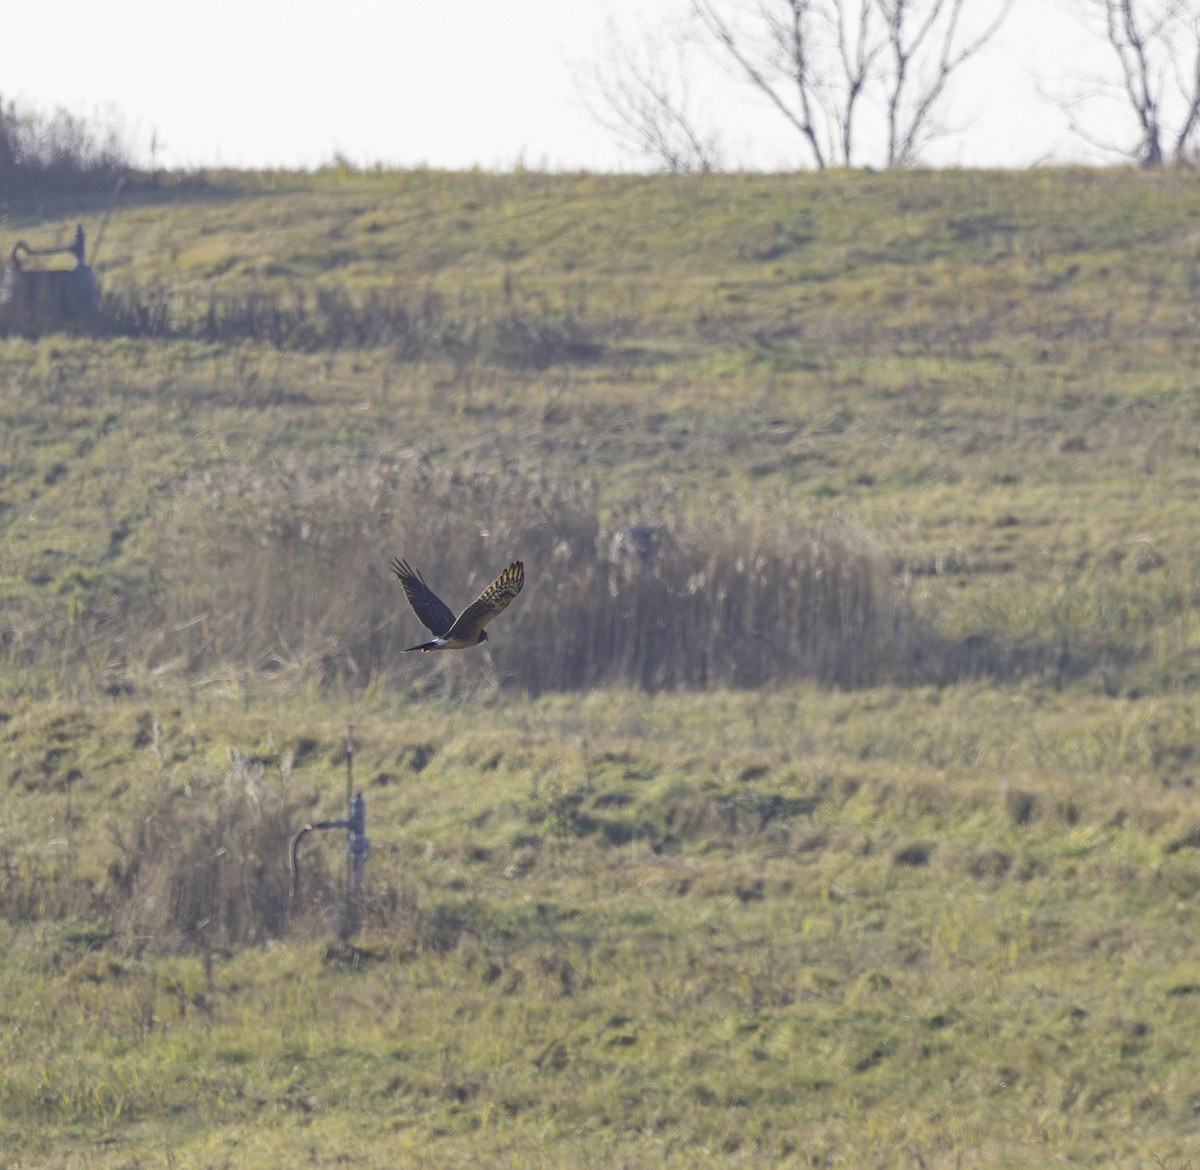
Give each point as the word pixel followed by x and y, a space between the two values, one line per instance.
pixel 1156 45
pixel 784 69
pixel 926 46
pixel 858 49
pixel 825 66
pixel 643 96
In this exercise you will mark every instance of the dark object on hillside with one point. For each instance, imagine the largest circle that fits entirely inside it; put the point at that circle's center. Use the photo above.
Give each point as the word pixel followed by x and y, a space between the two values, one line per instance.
pixel 466 630
pixel 636 551
pixel 1020 805
pixel 914 855
pixel 643 541
pixel 41 300
pixel 1187 841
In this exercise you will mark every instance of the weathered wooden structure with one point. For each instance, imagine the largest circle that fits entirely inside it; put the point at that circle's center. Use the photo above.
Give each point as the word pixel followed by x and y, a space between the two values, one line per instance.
pixel 42 300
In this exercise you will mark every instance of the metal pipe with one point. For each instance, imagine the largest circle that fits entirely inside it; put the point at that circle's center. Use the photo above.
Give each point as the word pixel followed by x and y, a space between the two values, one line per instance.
pixel 357 847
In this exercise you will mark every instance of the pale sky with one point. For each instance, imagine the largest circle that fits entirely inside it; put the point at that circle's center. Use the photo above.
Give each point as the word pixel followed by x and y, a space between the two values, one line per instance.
pixel 489 83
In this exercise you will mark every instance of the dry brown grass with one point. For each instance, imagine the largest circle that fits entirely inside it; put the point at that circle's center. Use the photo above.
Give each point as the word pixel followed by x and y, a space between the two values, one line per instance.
pixel 413 325
pixel 263 585
pixel 207 866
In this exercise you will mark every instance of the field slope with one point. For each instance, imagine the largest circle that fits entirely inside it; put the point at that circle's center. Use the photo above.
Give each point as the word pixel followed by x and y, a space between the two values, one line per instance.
pixel 827 796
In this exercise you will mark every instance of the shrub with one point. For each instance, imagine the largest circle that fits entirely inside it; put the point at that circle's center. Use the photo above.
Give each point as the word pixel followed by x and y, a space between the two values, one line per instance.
pixel 58 154
pixel 207 865
pixel 303 590
pixel 415 326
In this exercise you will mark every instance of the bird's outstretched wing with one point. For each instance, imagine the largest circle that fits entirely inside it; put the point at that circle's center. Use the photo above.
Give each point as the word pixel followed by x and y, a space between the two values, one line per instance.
pixel 492 601
pixel 434 613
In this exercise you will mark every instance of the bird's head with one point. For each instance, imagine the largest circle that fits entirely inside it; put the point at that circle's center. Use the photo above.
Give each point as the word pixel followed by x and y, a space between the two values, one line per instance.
pixel 482 637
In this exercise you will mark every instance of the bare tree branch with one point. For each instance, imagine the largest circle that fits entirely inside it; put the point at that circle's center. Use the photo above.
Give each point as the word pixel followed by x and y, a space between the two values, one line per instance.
pixel 1070 110
pixel 1191 94
pixel 853 78
pixel 635 98
pixel 910 114
pixel 859 49
pixel 1130 48
pixel 724 35
pixel 1156 53
pixel 833 54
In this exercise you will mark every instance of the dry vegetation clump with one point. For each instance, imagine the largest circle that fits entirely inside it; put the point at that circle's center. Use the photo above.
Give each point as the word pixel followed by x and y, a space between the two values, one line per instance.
pixel 207 866
pixel 280 572
pixel 200 865
pixel 59 154
pixel 413 325
pixel 34 889
pixel 747 603
pixel 266 585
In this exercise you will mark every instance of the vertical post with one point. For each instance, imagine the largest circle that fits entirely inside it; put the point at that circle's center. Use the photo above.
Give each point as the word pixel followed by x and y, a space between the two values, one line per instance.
pixel 349 799
pixel 357 848
pixel 357 845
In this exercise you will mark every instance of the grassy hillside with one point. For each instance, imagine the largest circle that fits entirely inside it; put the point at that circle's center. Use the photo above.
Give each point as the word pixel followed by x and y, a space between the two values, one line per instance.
pixel 850 822
pixel 983 380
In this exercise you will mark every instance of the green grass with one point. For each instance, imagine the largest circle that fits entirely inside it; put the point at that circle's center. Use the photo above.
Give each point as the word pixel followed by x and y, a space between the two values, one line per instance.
pixel 603 928
pixel 990 374
pixel 923 450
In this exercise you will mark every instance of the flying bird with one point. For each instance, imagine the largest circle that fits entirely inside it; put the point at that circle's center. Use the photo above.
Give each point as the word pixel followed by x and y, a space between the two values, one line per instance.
pixel 466 630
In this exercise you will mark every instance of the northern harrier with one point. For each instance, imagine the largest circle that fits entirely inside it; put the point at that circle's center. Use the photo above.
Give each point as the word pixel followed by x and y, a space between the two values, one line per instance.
pixel 466 630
